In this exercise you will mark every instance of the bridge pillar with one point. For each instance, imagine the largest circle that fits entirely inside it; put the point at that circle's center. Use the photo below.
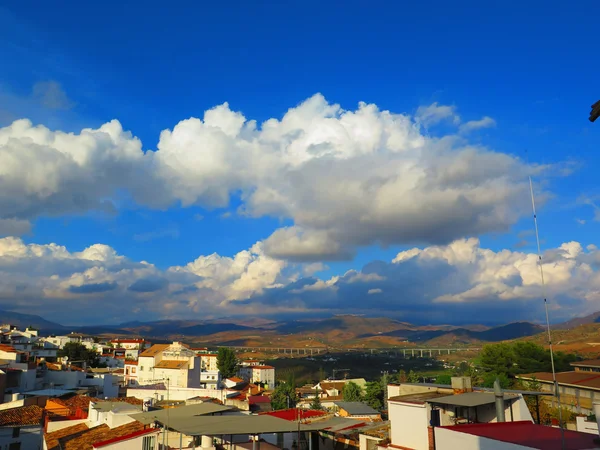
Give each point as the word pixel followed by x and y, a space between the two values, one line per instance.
pixel 311 352
pixel 439 351
pixel 413 352
pixel 404 353
pixel 430 353
pixel 448 351
pixel 421 353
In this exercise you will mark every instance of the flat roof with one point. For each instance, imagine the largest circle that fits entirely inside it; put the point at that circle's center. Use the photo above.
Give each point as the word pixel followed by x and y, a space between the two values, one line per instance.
pixel 529 434
pixel 470 399
pixel 172 415
pixel 420 397
pixel 237 424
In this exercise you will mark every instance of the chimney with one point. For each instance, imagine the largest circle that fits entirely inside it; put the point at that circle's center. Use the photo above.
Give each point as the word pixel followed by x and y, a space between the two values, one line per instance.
pixel 499 401
pixel 460 385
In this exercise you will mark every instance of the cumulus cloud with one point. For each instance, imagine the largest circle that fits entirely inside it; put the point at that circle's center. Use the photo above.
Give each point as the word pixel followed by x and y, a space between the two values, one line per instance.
pixel 342 178
pixel 485 122
pixel 434 284
pixel 435 113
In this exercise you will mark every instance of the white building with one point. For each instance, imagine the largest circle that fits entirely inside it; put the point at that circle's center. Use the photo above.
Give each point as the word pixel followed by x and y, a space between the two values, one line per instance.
pixel 210 379
pixel 415 410
pixel 258 374
pixel 172 364
pixel 209 361
pixel 101 384
pixel 21 428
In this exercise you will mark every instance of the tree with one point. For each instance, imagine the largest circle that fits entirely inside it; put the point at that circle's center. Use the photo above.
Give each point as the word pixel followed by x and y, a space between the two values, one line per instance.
pixel 284 396
pixel 79 354
pixel 374 395
pixel 444 379
pixel 226 362
pixel 352 392
pixel 316 402
pixel 490 377
pixel 412 377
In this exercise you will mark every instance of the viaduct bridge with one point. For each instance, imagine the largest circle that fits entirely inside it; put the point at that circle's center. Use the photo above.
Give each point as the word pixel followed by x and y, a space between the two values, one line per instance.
pixel 306 351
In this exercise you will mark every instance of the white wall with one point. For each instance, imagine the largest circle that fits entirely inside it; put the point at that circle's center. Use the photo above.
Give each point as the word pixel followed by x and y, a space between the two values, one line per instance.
pixel 409 425
pixel 446 439
pixel 135 443
pixel 60 424
pixel 585 426
pixel 29 437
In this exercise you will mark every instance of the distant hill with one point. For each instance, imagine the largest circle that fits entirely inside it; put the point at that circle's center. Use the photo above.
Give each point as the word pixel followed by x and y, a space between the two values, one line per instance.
pixel 591 318
pixel 25 320
pixel 180 328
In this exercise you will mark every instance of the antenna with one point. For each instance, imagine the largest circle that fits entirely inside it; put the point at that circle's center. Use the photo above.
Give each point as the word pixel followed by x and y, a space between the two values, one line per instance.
pixel 539 252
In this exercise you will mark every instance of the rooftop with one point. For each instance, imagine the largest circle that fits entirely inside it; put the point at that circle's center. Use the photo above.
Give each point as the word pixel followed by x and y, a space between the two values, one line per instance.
pixel 470 399
pixel 292 414
pixel 154 350
pixel 183 412
pixel 590 380
pixel 23 416
pixel 171 364
pixel 53 438
pixel 86 439
pixel 587 363
pixel 529 435
pixel 357 408
pixel 420 397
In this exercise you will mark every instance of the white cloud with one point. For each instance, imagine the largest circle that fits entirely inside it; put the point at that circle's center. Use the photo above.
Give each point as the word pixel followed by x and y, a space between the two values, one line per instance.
pixel 440 284
pixel 343 178
pixel 434 113
pixel 485 122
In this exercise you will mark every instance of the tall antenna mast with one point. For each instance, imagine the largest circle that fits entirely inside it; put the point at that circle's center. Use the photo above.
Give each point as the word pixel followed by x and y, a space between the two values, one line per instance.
pixel 539 252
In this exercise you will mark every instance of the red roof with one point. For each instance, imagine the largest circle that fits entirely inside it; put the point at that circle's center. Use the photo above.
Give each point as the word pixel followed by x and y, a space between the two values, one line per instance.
pixel 261 367
pixel 528 434
pixel 254 399
pixel 126 437
pixel 292 414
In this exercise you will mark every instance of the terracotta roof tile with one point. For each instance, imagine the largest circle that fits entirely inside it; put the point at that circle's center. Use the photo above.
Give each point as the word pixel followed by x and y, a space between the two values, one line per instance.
pixel 25 415
pixel 130 400
pixel 53 438
pixel 87 439
pixel 171 364
pixel 155 350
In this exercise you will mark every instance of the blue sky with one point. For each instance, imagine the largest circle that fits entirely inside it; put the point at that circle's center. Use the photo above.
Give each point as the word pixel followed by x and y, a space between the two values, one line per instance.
pixel 531 69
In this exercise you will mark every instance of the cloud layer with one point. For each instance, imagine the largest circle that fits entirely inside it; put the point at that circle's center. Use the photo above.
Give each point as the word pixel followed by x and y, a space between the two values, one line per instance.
pixel 435 284
pixel 344 179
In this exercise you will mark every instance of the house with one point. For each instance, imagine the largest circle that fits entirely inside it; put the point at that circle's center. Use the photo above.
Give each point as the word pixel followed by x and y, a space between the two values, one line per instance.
pixel 258 374
pixel 520 435
pixel 415 410
pixel 82 437
pixel 357 410
pixel 68 407
pixel 101 384
pixel 259 403
pixel 590 365
pixel 174 364
pixel 21 428
pixel 210 379
pixel 131 373
pixel 579 389
pixel 208 360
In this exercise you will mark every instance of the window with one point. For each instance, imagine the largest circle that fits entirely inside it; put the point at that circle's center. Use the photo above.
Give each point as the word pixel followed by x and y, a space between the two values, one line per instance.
pixel 142 368
pixel 148 443
pixel 16 432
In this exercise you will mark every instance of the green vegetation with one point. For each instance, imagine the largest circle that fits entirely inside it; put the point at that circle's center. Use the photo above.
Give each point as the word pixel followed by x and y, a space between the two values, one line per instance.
pixel 79 354
pixel 227 362
pixel 316 403
pixel 352 392
pixel 505 360
pixel 284 395
pixel 374 394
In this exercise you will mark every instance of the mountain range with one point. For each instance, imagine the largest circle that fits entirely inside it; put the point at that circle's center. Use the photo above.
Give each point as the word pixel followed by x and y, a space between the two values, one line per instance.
pixel 338 331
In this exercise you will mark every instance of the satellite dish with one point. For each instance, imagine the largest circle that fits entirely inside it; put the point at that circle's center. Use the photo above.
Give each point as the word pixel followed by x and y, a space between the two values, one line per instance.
pixel 66 358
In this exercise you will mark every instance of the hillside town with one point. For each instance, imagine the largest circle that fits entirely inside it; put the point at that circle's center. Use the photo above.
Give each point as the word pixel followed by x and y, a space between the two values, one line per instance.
pixel 131 394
